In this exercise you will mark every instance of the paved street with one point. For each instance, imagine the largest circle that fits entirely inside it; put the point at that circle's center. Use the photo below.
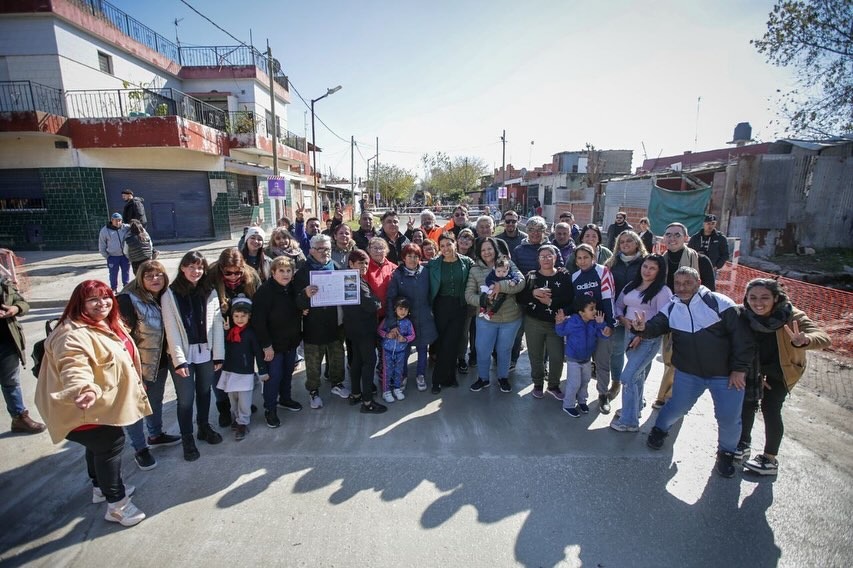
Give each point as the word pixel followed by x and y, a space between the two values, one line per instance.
pixel 460 479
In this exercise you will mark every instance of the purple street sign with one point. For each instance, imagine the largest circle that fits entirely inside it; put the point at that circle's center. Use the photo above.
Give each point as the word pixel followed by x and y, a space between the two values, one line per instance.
pixel 277 187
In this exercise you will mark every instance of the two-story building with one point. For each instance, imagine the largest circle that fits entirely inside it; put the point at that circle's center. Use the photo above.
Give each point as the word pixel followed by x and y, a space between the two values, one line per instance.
pixel 93 102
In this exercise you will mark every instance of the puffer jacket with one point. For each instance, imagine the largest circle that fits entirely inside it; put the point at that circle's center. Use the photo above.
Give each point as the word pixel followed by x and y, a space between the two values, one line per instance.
pixel 144 317
pixel 510 310
pixel 80 358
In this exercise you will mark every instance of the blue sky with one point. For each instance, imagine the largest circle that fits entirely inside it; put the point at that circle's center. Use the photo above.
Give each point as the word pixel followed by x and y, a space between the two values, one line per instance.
pixel 451 75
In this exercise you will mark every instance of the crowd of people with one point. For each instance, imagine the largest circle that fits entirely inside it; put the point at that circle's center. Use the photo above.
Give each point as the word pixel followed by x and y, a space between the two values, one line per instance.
pixel 460 296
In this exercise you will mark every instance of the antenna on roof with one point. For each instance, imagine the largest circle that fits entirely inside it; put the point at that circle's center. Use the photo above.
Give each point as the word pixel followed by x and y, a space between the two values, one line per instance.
pixel 696 137
pixel 177 39
pixel 645 155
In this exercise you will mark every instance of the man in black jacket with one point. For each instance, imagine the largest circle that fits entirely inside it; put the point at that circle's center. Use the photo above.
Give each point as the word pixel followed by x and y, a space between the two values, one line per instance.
pixel 711 242
pixel 134 208
pixel 712 350
pixel 321 331
pixel 621 225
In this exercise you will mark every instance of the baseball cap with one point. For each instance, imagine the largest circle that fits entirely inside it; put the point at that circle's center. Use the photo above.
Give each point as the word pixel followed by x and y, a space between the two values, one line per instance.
pixel 117 216
pixel 710 218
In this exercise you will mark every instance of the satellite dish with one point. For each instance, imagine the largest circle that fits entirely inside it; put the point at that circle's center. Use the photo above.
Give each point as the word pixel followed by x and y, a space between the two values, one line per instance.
pixel 523 172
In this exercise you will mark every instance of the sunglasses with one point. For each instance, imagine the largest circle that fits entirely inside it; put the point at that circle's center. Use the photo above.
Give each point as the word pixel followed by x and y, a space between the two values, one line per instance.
pixel 232 272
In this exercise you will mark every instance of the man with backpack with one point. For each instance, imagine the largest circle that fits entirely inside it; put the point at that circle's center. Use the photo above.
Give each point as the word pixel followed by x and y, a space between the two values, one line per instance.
pixel 712 349
pixel 12 347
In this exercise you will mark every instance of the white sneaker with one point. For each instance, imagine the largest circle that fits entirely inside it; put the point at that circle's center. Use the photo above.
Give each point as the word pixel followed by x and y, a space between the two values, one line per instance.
pixel 98 495
pixel 387 396
pixel 316 401
pixel 124 512
pixel 340 390
pixel 421 383
pixel 398 394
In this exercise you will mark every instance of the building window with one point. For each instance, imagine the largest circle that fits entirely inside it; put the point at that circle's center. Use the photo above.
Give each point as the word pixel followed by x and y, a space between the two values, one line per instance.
pixel 105 62
pixel 247 189
pixel 21 190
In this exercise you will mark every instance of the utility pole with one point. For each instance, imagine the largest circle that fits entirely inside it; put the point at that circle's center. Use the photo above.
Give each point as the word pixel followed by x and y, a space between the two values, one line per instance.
pixel 273 134
pixel 352 171
pixel 376 170
pixel 503 167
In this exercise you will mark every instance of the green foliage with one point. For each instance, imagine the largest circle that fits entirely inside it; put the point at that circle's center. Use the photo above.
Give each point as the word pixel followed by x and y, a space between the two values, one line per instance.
pixel 395 183
pixel 816 38
pixel 450 179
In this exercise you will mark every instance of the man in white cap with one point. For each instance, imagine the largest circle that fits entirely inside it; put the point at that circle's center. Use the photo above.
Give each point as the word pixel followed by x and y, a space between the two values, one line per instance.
pixel 111 246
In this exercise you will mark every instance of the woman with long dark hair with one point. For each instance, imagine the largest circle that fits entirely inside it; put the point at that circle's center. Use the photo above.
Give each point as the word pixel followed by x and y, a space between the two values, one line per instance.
pixel 138 246
pixel 253 252
pixel 193 321
pixel 646 293
pixel 782 334
pixel 89 387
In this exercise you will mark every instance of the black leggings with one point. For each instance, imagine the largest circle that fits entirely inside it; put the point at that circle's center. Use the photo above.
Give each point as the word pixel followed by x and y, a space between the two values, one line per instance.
pixel 103 458
pixel 449 320
pixel 771 409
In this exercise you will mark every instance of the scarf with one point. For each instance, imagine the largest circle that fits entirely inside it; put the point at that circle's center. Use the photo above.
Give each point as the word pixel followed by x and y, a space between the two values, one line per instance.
pixel 234 333
pixel 780 315
pixel 628 258
pixel 314 265
pixel 232 285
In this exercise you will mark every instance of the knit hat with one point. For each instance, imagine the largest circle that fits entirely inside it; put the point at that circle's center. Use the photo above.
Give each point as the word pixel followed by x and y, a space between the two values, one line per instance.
pixel 241 303
pixel 252 231
pixel 117 216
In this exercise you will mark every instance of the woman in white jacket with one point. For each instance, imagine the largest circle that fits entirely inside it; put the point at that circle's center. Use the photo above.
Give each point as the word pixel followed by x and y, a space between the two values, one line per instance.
pixel 193 323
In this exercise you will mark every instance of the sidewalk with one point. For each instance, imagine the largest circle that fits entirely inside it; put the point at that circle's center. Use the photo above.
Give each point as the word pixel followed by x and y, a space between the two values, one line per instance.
pixel 47 278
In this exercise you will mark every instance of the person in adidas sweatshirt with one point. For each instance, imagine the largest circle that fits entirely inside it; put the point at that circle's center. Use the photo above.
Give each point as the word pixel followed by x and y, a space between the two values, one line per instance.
pixel 711 350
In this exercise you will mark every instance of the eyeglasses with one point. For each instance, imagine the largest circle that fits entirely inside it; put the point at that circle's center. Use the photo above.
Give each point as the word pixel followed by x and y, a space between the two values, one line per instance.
pixel 104 300
pixel 154 276
pixel 232 272
pixel 322 249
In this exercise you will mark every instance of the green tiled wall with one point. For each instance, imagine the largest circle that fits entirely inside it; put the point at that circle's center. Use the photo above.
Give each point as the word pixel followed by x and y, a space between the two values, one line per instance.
pixel 75 211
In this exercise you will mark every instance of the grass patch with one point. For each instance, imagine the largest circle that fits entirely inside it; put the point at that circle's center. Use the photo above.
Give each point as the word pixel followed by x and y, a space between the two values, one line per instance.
pixel 826 260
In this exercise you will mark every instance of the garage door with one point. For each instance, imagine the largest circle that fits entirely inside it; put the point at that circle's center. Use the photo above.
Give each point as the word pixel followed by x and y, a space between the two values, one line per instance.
pixel 177 203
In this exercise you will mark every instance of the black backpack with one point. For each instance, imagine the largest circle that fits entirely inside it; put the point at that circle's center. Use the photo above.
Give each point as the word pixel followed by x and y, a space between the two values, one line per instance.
pixel 38 348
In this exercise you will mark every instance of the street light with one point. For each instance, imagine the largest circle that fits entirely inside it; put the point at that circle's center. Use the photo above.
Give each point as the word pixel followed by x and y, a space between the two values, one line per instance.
pixel 331 91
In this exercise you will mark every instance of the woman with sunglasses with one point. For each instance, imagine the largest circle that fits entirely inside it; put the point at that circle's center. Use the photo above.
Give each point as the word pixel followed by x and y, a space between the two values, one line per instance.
pixel 230 276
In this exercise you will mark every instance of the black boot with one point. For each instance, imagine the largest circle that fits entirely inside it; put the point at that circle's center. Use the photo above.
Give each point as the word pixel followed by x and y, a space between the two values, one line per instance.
pixel 190 451
pixel 224 408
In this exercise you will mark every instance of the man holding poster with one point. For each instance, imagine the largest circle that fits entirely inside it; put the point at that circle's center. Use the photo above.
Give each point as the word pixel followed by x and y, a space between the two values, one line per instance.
pixel 321 329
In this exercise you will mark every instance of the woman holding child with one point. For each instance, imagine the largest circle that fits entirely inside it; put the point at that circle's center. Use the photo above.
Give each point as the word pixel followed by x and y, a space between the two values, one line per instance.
pixel 496 333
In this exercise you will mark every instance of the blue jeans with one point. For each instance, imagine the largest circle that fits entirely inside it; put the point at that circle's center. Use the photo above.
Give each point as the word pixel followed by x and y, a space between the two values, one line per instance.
pixel 492 336
pixel 114 263
pixel 153 421
pixel 423 359
pixel 634 375
pixel 278 387
pixel 728 403
pixel 10 379
pixel 617 354
pixel 193 389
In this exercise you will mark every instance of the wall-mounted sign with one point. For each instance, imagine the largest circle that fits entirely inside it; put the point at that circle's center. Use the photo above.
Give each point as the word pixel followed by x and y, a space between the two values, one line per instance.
pixel 276 186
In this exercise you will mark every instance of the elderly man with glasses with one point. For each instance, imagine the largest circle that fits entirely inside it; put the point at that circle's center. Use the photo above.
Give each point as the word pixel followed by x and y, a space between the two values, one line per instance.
pixel 321 331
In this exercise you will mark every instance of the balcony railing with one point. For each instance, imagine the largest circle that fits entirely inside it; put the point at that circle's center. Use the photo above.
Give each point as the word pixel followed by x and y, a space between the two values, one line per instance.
pixel 224 56
pixel 215 56
pixel 246 121
pixel 132 28
pixel 115 103
pixel 30 96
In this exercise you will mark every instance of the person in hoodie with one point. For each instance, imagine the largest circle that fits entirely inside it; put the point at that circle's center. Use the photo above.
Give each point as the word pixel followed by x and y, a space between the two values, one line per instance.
pixel 134 208
pixel 583 331
pixel 111 246
pixel 138 246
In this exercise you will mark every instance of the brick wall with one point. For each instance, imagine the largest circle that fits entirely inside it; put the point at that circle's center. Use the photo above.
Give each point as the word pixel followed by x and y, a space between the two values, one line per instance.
pixel 76 209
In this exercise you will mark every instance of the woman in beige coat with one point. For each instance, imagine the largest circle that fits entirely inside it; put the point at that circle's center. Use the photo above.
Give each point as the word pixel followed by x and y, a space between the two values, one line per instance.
pixel 89 387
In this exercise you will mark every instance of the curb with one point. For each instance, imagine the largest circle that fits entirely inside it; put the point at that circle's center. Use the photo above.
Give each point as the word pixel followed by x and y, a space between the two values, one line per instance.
pixel 42 304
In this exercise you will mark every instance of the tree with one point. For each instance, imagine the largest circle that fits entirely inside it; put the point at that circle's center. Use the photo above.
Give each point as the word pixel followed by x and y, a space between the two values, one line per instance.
pixel 815 37
pixel 395 183
pixel 450 179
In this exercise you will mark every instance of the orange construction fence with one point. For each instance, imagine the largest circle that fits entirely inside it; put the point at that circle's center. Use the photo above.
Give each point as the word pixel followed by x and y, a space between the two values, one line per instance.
pixel 829 308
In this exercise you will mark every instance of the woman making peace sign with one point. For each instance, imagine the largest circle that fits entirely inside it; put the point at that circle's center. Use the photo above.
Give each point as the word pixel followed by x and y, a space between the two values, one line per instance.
pixel 782 335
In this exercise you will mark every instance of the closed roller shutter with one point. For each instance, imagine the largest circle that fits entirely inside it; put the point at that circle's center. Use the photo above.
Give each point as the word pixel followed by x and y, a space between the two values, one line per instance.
pixel 177 203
